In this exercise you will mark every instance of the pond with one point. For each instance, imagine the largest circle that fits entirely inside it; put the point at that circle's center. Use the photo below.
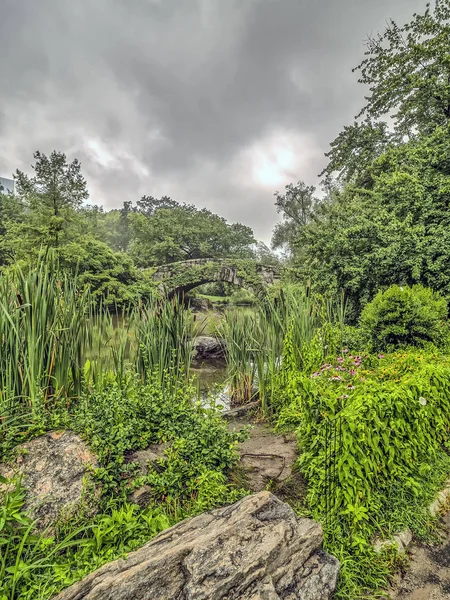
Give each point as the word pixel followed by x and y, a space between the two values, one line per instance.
pixel 211 380
pixel 210 375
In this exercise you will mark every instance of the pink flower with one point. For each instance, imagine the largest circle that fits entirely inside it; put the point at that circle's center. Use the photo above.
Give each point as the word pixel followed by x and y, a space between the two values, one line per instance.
pixel 352 371
pixel 345 350
pixel 350 386
pixel 340 359
pixel 381 356
pixel 336 378
pixel 316 374
pixel 344 396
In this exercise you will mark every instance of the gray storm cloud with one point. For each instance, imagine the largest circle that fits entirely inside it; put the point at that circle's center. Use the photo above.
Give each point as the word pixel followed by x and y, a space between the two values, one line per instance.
pixel 213 102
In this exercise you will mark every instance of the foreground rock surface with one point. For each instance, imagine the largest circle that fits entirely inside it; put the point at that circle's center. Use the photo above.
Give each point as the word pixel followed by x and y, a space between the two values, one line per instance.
pixel 256 549
pixel 53 468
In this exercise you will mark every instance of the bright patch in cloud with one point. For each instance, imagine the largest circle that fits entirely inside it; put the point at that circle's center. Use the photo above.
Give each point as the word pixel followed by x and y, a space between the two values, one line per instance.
pixel 278 159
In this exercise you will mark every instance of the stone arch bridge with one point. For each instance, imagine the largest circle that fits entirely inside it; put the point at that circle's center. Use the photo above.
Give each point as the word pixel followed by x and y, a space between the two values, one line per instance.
pixel 180 277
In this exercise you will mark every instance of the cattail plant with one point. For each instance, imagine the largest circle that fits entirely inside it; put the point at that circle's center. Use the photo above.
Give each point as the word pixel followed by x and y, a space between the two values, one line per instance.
pixel 43 332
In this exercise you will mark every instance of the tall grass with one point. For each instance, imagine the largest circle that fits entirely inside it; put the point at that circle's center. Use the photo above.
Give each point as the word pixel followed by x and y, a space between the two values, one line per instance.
pixel 44 333
pixel 255 341
pixel 241 330
pixel 164 332
pixel 55 342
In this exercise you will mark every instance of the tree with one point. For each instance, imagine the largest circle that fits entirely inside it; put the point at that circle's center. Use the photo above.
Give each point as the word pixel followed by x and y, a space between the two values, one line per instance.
pixel 112 276
pixel 356 147
pixel 407 72
pixel 148 205
pixel 394 230
pixel 296 206
pixel 181 232
pixel 265 256
pixel 11 212
pixel 51 198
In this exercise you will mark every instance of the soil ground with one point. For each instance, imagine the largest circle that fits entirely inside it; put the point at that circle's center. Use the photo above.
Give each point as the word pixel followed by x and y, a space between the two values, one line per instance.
pixel 268 461
pixel 428 575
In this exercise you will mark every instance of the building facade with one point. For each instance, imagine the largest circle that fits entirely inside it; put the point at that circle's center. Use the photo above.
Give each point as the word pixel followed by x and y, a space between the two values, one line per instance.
pixel 8 185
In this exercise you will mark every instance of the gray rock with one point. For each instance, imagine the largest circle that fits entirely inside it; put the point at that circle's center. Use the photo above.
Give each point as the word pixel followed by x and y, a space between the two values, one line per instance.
pixel 148 457
pixel 256 549
pixel 53 469
pixel 141 496
pixel 266 458
pixel 208 348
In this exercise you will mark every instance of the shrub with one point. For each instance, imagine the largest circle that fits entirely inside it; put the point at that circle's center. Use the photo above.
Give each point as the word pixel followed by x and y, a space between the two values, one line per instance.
pixel 405 316
pixel 117 419
pixel 393 420
pixel 372 433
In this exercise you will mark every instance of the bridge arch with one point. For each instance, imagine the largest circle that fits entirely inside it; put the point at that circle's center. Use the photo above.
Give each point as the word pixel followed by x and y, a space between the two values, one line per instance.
pixel 180 277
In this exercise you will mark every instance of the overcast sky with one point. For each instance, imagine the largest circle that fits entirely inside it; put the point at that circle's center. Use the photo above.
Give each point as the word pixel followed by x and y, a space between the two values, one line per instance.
pixel 214 102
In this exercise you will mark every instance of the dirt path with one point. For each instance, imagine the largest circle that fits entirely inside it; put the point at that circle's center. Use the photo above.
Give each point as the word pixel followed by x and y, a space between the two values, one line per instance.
pixel 428 574
pixel 267 458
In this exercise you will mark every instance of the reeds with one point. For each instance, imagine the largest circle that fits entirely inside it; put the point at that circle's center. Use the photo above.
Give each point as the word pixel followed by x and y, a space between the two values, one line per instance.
pixel 55 342
pixel 255 340
pixel 43 333
pixel 163 332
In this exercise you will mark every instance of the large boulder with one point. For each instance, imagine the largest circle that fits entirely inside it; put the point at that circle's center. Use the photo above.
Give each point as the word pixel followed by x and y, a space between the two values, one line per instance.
pixel 256 549
pixel 207 348
pixel 53 469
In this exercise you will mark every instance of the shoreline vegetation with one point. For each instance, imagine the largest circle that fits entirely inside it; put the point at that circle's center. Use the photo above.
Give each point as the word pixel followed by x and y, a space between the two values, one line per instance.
pixel 125 384
pixel 349 353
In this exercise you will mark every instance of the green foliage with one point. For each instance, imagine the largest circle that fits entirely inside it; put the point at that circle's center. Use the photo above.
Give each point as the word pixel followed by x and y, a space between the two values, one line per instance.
pixel 117 411
pixel 166 234
pixel 296 206
pixel 164 331
pixel 356 147
pixel 289 323
pixel 111 276
pixel 51 198
pixel 55 340
pixel 393 418
pixel 389 418
pixel 36 566
pixel 391 231
pixel 118 418
pixel 105 249
pixel 405 316
pixel 406 71
pixel 11 212
pixel 44 332
pixel 386 222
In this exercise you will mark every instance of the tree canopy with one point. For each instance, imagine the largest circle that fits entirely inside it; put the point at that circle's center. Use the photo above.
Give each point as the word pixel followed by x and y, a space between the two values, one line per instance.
pixel 387 220
pixel 406 70
pixel 106 248
pixel 171 232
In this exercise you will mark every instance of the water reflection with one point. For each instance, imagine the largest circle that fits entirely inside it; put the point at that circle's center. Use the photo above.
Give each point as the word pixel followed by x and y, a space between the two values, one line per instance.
pixel 211 378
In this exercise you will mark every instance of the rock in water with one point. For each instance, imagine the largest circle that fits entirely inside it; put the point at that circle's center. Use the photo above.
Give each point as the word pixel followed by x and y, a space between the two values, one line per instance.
pixel 52 467
pixel 208 348
pixel 256 549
